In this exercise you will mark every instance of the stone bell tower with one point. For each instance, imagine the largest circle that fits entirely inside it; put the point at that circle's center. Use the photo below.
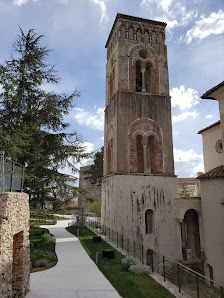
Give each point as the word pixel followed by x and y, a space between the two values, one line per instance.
pixel 138 159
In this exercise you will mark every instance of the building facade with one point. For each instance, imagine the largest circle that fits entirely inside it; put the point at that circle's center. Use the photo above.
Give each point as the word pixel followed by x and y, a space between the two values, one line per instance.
pixel 212 190
pixel 139 184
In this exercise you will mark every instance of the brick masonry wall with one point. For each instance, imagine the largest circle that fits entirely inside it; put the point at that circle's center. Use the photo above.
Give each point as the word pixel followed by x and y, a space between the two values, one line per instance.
pixel 14 245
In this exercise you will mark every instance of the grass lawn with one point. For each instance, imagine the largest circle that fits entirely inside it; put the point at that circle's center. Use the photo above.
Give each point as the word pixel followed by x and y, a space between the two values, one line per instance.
pixel 127 284
pixel 43 250
pixel 61 217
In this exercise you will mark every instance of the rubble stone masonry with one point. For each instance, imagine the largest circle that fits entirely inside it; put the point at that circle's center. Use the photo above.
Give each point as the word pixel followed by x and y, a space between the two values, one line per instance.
pixel 14 244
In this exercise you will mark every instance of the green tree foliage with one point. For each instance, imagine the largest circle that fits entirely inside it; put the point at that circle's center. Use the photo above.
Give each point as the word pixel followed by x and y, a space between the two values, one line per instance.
pixel 95 173
pixel 32 121
pixel 95 207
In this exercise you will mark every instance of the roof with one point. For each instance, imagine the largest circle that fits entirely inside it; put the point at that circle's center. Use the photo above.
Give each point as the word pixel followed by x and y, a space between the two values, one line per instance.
pixel 189 179
pixel 186 180
pixel 131 18
pixel 207 94
pixel 208 127
pixel 214 173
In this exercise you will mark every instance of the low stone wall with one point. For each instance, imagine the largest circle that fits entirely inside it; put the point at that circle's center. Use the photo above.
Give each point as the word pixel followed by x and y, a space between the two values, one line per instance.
pixel 14 245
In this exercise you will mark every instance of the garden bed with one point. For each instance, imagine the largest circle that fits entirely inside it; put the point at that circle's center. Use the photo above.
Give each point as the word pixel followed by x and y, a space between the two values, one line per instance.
pixel 127 284
pixel 42 256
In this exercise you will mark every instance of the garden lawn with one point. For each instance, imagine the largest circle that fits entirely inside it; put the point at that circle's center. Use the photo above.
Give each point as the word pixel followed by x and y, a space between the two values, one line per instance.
pixel 43 250
pixel 127 284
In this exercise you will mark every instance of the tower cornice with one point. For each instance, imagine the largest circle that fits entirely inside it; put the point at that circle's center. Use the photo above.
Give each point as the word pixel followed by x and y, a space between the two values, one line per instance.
pixel 131 18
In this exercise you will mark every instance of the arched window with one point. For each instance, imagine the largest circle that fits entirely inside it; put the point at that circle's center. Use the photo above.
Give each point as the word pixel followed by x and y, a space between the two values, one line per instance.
pixel 148 83
pixel 145 143
pixel 140 157
pixel 149 221
pixel 150 155
pixel 138 77
pixel 139 35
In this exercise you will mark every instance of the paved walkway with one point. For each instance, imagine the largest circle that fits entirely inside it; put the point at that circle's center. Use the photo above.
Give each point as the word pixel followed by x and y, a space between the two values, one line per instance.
pixel 75 274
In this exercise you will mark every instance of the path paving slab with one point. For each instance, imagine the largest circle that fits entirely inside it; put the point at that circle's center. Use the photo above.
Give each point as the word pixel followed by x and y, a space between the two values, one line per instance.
pixel 75 274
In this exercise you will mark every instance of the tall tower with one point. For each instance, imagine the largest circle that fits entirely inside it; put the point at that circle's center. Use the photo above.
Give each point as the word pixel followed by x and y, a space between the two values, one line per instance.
pixel 138 159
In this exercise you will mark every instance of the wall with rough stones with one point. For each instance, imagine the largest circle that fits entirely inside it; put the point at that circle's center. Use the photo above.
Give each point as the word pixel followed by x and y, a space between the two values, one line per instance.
pixel 125 199
pixel 14 245
pixel 127 107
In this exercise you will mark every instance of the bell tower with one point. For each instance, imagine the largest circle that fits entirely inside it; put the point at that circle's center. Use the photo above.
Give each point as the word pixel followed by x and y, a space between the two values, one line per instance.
pixel 138 131
pixel 138 147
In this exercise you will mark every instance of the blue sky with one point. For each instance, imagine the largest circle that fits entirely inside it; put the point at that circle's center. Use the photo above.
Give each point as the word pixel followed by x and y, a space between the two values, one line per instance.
pixel 77 31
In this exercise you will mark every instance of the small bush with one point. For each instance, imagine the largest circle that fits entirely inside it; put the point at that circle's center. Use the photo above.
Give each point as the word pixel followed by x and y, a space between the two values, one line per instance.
pixel 128 261
pixel 46 237
pixel 52 240
pixel 41 263
pixel 140 269
pixel 32 261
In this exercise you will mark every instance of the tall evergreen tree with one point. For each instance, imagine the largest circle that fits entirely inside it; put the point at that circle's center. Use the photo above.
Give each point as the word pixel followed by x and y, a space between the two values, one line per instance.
pixel 32 120
pixel 95 173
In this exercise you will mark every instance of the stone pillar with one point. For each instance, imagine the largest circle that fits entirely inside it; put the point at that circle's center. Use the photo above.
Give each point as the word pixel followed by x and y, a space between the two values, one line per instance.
pixel 144 143
pixel 143 79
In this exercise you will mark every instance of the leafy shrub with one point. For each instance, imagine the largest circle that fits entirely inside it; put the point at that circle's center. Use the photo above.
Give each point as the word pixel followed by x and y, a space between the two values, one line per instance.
pixel 32 261
pixel 140 269
pixel 46 237
pixel 52 240
pixel 41 263
pixel 128 261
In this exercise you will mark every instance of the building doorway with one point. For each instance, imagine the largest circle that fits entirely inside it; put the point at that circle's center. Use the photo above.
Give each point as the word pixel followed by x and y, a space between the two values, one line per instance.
pixel 190 234
pixel 149 258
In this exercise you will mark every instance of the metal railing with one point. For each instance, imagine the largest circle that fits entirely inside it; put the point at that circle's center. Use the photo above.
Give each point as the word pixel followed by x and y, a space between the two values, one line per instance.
pixel 190 281
pixel 11 174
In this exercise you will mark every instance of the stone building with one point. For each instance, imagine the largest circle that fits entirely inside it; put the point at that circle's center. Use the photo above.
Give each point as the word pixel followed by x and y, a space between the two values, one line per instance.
pixel 139 186
pixel 212 190
pixel 212 146
pixel 188 187
pixel 14 245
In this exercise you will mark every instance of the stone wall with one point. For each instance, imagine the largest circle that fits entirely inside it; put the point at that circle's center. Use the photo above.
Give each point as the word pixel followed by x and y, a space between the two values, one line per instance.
pixel 128 107
pixel 14 245
pixel 125 200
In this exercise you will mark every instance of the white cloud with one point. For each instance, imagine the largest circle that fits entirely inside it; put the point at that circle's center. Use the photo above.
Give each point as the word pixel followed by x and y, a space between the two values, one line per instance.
pixel 184 116
pixel 188 163
pixel 89 119
pixel 214 24
pixel 21 2
pixel 88 147
pixel 209 116
pixel 173 12
pixel 101 138
pixel 184 99
pixel 163 4
pixel 103 10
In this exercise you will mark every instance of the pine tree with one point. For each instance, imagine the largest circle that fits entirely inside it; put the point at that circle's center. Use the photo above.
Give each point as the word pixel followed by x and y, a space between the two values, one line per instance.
pixel 95 173
pixel 32 121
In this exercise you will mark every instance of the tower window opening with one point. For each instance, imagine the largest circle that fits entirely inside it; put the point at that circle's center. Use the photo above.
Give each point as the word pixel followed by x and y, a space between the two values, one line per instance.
pixel 150 149
pixel 148 78
pixel 140 156
pixel 149 221
pixel 143 54
pixel 138 77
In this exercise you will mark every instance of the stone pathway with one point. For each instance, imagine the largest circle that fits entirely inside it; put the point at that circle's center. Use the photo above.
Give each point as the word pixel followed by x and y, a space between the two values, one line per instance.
pixel 75 274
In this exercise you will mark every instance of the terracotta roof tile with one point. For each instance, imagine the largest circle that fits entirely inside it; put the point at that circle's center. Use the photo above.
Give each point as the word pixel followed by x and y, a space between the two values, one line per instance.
pixel 207 94
pixel 208 127
pixel 216 172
